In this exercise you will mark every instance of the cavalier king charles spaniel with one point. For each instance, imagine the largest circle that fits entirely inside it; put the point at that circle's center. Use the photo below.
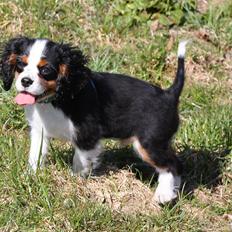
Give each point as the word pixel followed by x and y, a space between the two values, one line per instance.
pixel 64 99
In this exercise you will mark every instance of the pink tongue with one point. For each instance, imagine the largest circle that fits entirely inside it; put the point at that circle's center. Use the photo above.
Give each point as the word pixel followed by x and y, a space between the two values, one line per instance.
pixel 25 99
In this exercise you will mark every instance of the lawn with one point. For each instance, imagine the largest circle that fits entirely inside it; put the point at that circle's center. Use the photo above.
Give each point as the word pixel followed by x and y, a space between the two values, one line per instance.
pixel 138 38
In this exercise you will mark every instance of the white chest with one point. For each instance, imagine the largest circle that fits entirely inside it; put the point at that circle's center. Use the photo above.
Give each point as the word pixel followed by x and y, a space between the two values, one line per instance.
pixel 52 121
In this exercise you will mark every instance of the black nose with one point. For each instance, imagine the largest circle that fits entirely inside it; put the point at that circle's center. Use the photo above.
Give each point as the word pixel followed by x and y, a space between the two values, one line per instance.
pixel 26 82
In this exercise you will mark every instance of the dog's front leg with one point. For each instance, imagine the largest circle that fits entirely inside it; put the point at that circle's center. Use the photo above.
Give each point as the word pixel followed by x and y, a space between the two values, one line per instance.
pixel 85 160
pixel 38 148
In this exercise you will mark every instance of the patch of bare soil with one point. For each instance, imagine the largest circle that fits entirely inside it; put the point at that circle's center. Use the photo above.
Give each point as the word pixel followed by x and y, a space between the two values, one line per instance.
pixel 120 191
pixel 217 197
pixel 211 222
pixel 123 193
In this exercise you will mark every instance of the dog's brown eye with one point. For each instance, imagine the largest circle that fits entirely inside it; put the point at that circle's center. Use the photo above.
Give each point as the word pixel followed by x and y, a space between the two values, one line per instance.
pixel 44 71
pixel 47 72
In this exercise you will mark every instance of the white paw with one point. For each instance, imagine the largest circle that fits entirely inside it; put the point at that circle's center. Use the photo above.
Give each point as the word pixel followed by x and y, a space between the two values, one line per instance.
pixel 168 187
pixel 164 195
pixel 86 172
pixel 83 172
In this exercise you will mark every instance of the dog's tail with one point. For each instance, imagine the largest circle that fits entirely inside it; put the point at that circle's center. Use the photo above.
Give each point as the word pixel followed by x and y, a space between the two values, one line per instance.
pixel 177 86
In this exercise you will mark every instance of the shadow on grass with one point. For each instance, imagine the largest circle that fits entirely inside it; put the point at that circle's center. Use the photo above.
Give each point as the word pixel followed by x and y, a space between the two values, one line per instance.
pixel 201 167
pixel 124 158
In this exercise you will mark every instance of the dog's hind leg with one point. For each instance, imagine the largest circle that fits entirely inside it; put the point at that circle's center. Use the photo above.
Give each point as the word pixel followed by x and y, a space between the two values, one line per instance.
pixel 86 160
pixel 168 167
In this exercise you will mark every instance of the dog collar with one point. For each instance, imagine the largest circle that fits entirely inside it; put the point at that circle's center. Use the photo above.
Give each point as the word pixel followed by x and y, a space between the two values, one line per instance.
pixel 47 98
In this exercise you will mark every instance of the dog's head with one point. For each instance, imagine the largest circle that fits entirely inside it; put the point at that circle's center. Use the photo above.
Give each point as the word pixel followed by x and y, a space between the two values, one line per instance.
pixel 38 65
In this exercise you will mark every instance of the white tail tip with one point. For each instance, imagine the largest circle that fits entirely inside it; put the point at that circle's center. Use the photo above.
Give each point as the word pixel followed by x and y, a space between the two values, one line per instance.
pixel 181 48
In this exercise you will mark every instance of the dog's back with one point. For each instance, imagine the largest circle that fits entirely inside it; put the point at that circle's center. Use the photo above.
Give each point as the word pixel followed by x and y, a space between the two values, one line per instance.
pixel 126 102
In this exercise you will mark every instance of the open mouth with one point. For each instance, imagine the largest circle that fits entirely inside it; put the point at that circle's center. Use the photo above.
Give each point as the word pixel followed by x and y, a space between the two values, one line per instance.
pixel 25 98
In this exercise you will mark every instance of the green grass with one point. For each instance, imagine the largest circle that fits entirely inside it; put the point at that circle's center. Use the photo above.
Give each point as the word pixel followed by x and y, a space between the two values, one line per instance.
pixel 53 200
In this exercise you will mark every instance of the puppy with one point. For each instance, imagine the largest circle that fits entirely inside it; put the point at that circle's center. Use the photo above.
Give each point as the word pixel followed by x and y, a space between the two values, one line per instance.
pixel 64 99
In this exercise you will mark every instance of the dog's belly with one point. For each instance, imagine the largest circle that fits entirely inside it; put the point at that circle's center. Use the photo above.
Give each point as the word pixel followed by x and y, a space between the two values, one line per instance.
pixel 52 121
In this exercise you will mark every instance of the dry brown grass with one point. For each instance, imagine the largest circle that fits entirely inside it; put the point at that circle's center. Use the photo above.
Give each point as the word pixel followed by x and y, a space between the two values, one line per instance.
pixel 120 191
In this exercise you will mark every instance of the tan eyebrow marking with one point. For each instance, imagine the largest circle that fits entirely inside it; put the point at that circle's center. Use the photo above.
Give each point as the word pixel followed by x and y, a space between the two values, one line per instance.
pixel 12 58
pixel 42 62
pixel 49 85
pixel 24 59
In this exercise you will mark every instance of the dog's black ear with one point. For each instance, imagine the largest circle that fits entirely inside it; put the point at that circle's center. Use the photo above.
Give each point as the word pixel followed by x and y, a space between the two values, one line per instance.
pixel 10 51
pixel 71 59
pixel 72 71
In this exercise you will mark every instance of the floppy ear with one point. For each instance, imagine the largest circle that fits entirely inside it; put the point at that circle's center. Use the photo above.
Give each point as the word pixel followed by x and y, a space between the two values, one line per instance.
pixel 72 71
pixel 11 50
pixel 71 59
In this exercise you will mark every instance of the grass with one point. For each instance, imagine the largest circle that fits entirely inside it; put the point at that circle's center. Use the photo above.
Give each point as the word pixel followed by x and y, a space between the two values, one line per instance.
pixel 116 200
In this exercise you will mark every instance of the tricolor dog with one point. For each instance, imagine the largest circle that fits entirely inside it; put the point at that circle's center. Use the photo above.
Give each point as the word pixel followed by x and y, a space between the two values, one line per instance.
pixel 64 99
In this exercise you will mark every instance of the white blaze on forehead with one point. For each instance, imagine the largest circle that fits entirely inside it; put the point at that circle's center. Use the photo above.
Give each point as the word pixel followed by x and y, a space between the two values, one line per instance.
pixel 31 70
pixel 36 52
